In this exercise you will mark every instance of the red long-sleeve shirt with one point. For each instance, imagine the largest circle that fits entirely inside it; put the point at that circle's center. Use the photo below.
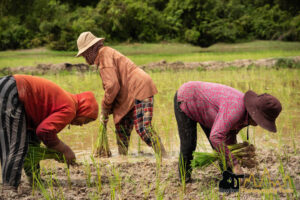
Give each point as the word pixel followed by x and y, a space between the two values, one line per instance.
pixel 49 108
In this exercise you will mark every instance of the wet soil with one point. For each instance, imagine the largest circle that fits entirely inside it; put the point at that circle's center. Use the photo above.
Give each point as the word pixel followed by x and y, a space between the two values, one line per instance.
pixel 140 177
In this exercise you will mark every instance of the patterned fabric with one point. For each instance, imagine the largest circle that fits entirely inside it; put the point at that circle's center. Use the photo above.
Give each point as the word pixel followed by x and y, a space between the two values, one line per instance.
pixel 217 107
pixel 123 130
pixel 143 112
pixel 91 53
pixel 141 117
pixel 14 140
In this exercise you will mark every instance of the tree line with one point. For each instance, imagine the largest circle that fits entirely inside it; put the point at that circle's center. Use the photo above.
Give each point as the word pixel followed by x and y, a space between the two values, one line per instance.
pixel 58 23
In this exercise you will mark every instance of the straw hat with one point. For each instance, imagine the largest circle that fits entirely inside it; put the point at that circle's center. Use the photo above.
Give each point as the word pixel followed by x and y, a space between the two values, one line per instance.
pixel 85 41
pixel 263 109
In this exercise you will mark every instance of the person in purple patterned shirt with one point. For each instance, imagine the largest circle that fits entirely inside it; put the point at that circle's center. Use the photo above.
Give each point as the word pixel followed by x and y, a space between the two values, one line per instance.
pixel 222 112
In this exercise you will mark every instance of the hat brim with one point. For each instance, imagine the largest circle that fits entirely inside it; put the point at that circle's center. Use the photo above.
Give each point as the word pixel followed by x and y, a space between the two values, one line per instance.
pixel 94 41
pixel 250 100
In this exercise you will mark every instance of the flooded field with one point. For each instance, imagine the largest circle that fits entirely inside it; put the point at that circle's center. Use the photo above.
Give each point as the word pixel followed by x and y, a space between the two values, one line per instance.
pixel 283 83
pixel 141 176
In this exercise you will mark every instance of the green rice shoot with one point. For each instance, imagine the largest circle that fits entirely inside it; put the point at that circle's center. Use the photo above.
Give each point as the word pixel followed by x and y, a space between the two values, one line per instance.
pixel 102 146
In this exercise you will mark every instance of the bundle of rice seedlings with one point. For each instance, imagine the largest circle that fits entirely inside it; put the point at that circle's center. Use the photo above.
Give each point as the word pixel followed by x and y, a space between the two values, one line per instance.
pixel 244 152
pixel 37 153
pixel 102 147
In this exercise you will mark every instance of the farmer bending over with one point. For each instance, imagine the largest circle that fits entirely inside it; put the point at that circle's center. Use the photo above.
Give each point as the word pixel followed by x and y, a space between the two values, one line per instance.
pixel 222 112
pixel 128 92
pixel 36 109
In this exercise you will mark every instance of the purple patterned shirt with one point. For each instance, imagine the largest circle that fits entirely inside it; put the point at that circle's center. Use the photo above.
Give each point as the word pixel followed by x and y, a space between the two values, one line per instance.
pixel 217 107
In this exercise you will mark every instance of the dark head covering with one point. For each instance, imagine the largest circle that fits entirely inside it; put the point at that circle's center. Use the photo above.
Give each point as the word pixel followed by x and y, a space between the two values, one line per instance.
pixel 263 109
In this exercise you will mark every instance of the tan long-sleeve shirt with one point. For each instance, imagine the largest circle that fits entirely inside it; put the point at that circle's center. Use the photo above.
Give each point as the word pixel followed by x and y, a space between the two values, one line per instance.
pixel 123 82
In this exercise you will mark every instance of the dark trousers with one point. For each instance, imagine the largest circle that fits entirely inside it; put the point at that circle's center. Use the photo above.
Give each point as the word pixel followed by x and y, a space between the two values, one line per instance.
pixel 13 137
pixel 187 129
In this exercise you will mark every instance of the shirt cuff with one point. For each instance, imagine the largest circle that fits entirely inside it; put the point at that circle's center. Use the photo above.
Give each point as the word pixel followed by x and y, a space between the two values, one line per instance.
pixel 105 106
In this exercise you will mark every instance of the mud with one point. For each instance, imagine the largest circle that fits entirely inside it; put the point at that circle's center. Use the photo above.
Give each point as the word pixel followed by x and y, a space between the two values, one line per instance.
pixel 140 177
pixel 214 65
pixel 155 66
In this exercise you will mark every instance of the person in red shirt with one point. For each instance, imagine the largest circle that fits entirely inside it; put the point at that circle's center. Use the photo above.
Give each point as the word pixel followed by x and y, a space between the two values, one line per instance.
pixel 33 107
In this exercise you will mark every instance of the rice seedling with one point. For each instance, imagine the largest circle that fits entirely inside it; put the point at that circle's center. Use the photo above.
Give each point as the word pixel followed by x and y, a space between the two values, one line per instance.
pixel 93 196
pixel 41 186
pixel 139 146
pixel 146 189
pixel 88 173
pixel 158 158
pixel 49 182
pixel 244 152
pixel 115 184
pixel 102 146
pixel 60 188
pixel 37 153
pixel 98 178
pixel 67 170
pixel 182 171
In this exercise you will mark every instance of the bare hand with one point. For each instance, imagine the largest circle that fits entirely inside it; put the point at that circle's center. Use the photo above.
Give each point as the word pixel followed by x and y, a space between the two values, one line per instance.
pixel 237 169
pixel 104 118
pixel 69 155
pixel 66 151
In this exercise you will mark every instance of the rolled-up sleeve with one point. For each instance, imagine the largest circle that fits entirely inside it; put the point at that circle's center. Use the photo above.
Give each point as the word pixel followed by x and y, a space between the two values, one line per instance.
pixel 227 118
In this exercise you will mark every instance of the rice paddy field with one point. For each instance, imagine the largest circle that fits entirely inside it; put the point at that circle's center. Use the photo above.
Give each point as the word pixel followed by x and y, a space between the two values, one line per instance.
pixel 141 175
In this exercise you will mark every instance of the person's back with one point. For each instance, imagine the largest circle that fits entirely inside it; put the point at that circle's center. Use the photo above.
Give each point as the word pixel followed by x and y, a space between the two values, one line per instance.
pixel 222 112
pixel 203 101
pixel 47 108
pixel 42 97
pixel 122 78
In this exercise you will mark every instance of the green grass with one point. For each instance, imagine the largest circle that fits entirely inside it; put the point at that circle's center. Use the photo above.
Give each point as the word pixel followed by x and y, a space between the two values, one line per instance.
pixel 146 53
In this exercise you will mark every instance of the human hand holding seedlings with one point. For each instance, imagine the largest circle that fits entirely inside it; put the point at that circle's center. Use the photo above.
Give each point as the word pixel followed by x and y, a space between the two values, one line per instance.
pixel 237 169
pixel 66 151
pixel 104 116
pixel 102 147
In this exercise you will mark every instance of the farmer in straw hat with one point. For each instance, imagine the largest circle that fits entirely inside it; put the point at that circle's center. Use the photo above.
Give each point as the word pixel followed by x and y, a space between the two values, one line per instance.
pixel 34 109
pixel 222 112
pixel 128 94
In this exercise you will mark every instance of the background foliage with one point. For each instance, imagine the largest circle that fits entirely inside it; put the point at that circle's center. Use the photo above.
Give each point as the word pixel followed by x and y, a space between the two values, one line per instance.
pixel 58 23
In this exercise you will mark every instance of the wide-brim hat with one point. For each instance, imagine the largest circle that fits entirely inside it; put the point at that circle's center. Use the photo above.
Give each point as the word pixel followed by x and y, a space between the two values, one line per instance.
pixel 85 41
pixel 263 109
